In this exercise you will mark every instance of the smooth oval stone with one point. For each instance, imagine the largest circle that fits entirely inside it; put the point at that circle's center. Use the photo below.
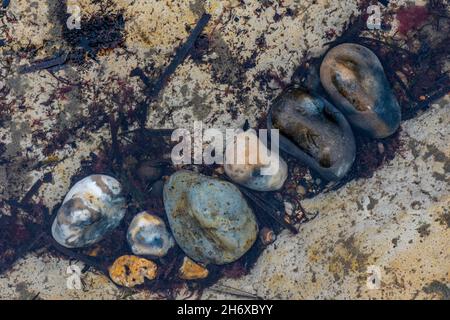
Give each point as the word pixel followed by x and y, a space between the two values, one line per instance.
pixel 209 218
pixel 355 80
pixel 93 207
pixel 250 173
pixel 147 235
pixel 314 131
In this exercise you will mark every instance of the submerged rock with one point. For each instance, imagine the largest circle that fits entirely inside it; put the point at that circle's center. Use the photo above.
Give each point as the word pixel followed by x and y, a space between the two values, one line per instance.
pixel 147 235
pixel 130 271
pixel 314 131
pixel 209 218
pixel 92 207
pixel 355 80
pixel 192 271
pixel 250 172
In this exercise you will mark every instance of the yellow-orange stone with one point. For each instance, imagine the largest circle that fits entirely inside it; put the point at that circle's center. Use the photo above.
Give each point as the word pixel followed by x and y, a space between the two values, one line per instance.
pixel 130 271
pixel 192 271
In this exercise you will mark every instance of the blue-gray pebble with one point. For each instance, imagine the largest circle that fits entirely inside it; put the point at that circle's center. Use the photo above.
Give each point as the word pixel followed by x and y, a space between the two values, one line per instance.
pixel 209 218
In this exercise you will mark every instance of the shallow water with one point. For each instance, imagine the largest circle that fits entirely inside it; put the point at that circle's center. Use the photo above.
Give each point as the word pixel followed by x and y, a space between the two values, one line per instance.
pixel 59 121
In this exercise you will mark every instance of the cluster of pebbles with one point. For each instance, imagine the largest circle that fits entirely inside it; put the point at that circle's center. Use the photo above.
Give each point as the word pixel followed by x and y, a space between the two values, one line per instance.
pixel 209 218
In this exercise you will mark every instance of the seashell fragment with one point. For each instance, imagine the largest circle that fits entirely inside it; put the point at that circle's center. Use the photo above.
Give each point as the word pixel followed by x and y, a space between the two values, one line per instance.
pixel 92 207
pixel 355 80
pixel 314 131
pixel 209 218
pixel 249 172
pixel 130 271
pixel 147 235
pixel 192 271
pixel 267 236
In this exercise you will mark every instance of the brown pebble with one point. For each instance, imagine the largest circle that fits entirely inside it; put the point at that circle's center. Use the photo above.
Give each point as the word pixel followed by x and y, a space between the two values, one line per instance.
pixel 192 271
pixel 130 271
pixel 267 236
pixel 94 252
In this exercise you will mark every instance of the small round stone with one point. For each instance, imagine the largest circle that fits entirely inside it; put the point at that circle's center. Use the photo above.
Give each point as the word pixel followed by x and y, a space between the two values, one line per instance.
pixel 148 235
pixel 267 236
pixel 253 169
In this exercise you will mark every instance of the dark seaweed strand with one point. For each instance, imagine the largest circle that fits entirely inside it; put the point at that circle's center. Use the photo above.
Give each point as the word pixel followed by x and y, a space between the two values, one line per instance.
pixel 115 145
pixel 265 206
pixel 150 132
pixel 56 61
pixel 234 292
pixel 268 209
pixel 181 54
pixel 137 72
pixel 26 205
pixel 79 257
pixel 43 232
pixel 36 186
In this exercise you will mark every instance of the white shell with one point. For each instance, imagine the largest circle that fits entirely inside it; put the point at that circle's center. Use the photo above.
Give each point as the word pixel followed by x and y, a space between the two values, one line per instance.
pixel 148 235
pixel 93 207
pixel 249 174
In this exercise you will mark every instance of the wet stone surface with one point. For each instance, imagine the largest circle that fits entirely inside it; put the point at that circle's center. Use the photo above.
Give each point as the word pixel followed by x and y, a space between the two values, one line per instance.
pixel 314 131
pixel 355 80
pixel 395 221
pixel 395 217
pixel 210 219
pixel 91 209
